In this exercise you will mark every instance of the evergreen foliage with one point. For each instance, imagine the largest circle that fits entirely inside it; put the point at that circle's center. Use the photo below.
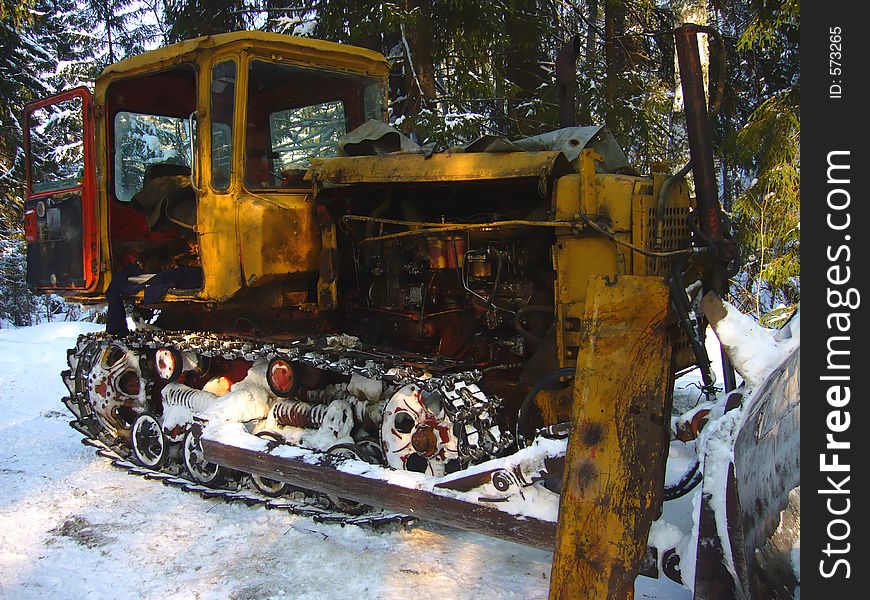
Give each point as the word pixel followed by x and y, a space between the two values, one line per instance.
pixel 762 142
pixel 17 304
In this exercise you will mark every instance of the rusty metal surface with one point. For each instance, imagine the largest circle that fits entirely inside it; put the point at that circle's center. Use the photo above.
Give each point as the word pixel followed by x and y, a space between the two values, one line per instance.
pixel 767 460
pixel 437 168
pixel 765 469
pixel 698 128
pixel 317 471
pixel 614 473
pixel 322 475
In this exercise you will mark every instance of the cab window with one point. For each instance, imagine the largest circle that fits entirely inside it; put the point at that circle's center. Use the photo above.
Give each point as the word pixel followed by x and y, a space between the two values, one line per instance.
pixel 142 140
pixel 295 114
pixel 149 135
pixel 297 134
pixel 56 137
pixel 223 95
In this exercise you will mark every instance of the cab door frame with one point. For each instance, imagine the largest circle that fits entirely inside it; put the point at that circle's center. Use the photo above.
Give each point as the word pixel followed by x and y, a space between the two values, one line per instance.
pixel 87 188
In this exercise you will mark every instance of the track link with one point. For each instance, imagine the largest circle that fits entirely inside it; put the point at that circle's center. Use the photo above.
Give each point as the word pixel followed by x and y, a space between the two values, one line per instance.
pixel 455 381
pixel 306 506
pixel 117 454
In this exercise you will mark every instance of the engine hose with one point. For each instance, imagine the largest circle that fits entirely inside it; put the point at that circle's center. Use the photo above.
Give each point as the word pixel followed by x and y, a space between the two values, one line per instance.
pixel 528 335
pixel 545 382
pixel 495 285
pixel 686 484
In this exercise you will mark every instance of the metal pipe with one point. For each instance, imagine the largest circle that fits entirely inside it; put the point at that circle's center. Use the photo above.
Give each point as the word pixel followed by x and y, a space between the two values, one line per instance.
pixel 699 131
pixel 701 152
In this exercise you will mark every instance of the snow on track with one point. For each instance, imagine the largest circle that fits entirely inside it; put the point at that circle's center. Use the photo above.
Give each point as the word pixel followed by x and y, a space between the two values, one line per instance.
pixel 73 526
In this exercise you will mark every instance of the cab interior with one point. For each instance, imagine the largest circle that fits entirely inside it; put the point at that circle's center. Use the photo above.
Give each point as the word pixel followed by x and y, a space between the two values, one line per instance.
pixel 152 206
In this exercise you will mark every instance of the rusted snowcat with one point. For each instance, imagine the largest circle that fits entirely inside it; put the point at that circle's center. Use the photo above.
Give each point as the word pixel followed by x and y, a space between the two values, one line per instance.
pixel 485 338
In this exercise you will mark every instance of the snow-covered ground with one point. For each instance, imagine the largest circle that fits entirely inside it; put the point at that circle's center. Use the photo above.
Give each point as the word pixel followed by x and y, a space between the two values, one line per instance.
pixel 73 526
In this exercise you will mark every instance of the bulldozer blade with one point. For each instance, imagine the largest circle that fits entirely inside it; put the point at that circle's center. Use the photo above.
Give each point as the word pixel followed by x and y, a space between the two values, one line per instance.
pixel 760 486
pixel 754 494
pixel 612 486
pixel 354 480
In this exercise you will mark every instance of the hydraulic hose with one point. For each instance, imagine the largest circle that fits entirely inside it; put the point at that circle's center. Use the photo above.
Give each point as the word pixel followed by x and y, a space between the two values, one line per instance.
pixel 689 481
pixel 528 335
pixel 545 382
pixel 681 309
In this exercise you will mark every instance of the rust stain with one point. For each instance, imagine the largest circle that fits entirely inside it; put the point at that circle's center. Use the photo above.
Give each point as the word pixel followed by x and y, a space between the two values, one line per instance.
pixel 593 433
pixel 587 473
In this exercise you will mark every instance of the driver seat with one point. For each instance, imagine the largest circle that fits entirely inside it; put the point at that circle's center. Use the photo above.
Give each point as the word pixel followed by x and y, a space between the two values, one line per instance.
pixel 167 198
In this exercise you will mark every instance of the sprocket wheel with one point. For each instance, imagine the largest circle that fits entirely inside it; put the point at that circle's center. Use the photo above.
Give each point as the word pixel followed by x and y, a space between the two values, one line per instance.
pixel 116 388
pixel 417 433
pixel 81 360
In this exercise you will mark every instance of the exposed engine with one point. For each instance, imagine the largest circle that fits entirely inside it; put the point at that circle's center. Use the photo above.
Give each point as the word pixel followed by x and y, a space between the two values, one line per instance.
pixel 482 295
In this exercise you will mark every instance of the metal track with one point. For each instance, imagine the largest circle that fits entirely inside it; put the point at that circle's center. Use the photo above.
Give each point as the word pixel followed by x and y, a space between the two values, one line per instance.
pixel 306 507
pixel 468 406
pixel 342 360
pixel 325 352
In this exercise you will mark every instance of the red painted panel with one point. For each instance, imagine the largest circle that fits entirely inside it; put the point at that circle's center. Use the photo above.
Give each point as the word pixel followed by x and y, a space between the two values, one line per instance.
pixel 30 230
pixel 87 189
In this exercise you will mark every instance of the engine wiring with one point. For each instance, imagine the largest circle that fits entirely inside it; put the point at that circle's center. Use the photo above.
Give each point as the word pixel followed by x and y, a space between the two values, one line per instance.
pixel 430 228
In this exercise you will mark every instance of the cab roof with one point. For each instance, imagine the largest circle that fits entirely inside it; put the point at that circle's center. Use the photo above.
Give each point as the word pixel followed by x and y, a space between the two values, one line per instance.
pixel 291 47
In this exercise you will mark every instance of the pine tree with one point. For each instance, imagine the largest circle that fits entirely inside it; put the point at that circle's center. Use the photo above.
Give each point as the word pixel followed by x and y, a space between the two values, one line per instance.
pixel 767 149
pixel 122 29
pixel 15 12
pixel 449 68
pixel 19 83
pixel 48 48
pixel 17 304
pixel 193 18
